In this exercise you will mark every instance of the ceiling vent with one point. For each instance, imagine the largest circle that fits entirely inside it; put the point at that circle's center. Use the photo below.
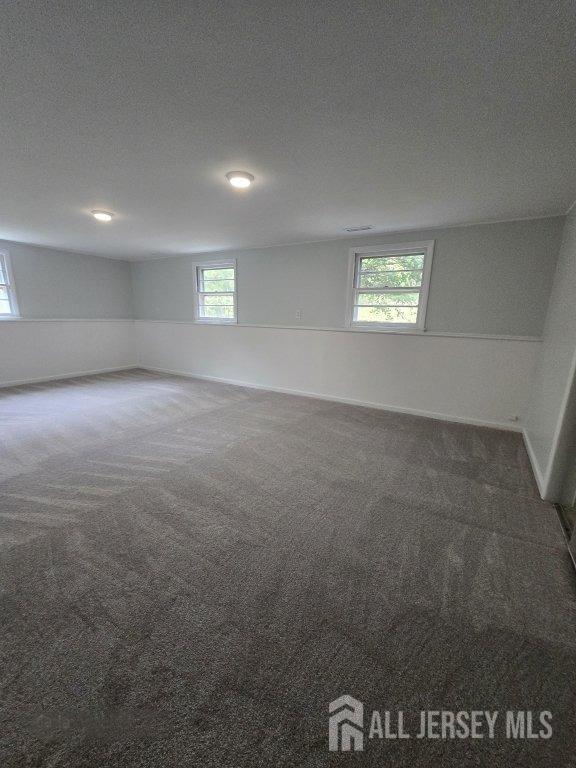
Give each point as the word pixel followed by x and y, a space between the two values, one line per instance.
pixel 365 228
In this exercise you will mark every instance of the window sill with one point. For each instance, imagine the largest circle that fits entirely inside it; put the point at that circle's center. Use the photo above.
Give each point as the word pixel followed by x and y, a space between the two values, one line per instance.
pixel 215 321
pixel 387 327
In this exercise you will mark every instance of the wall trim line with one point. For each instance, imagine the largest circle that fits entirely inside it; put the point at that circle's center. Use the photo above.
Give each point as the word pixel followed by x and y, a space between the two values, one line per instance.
pixel 548 485
pixel 552 486
pixel 410 230
pixel 538 474
pixel 62 376
pixel 508 427
pixel 13 319
pixel 440 334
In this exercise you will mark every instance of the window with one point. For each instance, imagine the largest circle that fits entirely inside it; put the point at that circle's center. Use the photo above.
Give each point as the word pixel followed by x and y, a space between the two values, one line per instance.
pixel 216 293
pixel 390 285
pixel 8 303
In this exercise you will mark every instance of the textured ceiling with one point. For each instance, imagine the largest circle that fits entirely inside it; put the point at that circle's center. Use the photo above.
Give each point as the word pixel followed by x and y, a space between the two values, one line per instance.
pixel 395 114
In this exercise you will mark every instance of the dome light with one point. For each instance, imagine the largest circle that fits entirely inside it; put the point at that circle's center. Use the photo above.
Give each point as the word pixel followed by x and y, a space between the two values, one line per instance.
pixel 240 179
pixel 103 215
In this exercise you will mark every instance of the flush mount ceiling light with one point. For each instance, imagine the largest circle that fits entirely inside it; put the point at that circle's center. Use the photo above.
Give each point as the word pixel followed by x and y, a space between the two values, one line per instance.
pixel 240 179
pixel 103 215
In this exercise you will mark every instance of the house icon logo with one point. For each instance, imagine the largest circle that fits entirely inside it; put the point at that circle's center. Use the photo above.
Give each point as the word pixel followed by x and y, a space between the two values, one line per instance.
pixel 345 725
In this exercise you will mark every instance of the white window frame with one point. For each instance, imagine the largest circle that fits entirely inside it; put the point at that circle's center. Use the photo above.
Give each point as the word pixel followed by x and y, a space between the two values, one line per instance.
pixel 228 264
pixel 398 249
pixel 12 297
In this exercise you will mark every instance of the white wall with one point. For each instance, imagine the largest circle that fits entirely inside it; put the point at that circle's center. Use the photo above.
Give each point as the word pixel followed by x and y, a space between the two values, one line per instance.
pixel 486 279
pixel 489 280
pixel 71 307
pixel 474 380
pixel 552 421
pixel 43 349
pixel 52 283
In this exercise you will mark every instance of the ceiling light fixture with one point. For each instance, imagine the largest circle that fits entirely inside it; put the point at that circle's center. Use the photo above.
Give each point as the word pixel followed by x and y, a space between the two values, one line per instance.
pixel 103 215
pixel 240 179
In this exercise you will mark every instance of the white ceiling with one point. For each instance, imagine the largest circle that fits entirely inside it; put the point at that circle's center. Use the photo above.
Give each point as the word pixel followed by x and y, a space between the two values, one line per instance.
pixel 395 114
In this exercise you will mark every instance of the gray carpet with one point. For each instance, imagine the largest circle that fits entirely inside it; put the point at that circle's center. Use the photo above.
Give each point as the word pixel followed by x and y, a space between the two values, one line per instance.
pixel 190 572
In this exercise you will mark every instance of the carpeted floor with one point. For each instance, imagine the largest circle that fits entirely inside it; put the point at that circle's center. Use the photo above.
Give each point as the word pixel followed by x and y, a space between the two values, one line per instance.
pixel 190 572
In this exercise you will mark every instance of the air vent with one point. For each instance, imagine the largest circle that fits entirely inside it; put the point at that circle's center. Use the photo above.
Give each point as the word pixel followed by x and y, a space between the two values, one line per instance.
pixel 359 229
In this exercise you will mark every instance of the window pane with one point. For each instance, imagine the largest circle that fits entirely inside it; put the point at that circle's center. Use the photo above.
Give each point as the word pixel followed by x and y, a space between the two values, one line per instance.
pixel 218 299
pixel 217 286
pixel 225 273
pixel 4 306
pixel 391 280
pixel 223 313
pixel 385 314
pixel 389 299
pixel 389 263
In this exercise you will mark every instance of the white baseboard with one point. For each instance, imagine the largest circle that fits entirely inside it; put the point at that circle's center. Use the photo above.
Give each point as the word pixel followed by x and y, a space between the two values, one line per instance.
pixel 62 376
pixel 541 481
pixel 510 427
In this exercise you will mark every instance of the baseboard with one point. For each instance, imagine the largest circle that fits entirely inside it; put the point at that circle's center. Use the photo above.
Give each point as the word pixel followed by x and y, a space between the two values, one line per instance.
pixel 62 376
pixel 538 474
pixel 509 427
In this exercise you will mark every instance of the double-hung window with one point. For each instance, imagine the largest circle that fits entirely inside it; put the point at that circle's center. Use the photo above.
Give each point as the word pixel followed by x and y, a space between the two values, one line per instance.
pixel 216 293
pixel 390 285
pixel 8 303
